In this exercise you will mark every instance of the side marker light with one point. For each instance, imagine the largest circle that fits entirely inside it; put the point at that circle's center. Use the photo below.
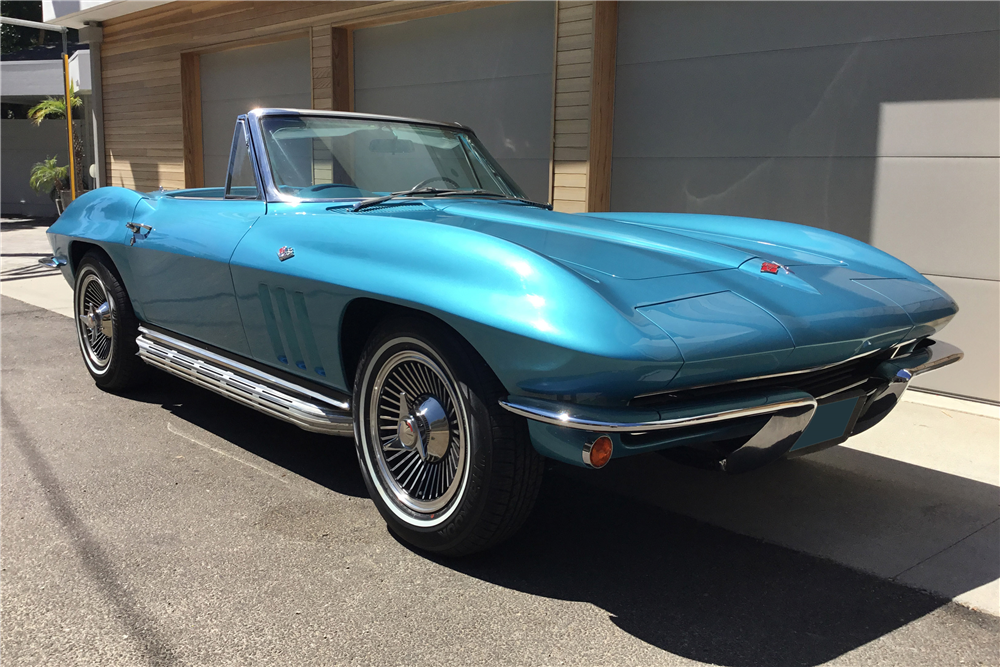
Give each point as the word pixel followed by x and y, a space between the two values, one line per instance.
pixel 598 453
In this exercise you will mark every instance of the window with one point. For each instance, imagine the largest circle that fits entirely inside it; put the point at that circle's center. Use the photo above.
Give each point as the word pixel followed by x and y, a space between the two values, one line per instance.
pixel 242 181
pixel 326 158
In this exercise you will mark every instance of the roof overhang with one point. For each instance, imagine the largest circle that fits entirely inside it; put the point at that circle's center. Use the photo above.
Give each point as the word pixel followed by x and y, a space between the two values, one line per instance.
pixel 76 13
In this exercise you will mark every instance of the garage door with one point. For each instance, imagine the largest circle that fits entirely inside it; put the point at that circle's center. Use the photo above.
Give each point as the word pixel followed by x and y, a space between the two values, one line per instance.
pixel 875 120
pixel 490 69
pixel 236 81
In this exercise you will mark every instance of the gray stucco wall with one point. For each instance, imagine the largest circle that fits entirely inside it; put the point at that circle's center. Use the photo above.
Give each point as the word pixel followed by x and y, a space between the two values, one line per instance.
pixel 22 144
pixel 875 120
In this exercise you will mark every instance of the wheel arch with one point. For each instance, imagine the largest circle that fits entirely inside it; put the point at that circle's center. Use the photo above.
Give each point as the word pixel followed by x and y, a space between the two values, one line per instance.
pixel 360 319
pixel 79 249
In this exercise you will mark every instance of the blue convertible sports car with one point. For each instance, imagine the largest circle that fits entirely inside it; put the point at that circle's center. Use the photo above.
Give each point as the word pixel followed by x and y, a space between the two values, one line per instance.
pixel 383 278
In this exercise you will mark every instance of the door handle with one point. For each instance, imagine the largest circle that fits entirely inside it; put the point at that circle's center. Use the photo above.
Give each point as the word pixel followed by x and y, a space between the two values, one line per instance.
pixel 137 229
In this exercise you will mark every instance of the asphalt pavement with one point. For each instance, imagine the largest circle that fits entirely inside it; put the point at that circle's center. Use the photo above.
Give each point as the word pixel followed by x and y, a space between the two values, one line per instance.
pixel 173 527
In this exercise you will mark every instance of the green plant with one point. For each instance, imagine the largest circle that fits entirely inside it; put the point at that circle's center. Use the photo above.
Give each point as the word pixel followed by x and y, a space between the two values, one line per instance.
pixel 46 176
pixel 54 107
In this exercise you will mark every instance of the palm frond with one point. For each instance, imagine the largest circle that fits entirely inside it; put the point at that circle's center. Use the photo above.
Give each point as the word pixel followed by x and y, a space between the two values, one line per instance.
pixel 54 107
pixel 46 176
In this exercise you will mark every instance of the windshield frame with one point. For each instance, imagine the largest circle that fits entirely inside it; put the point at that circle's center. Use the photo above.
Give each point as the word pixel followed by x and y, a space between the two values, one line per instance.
pixel 273 195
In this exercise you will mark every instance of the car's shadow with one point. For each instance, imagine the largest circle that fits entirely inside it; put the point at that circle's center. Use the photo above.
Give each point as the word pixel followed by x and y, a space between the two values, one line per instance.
pixel 690 588
pixel 684 586
pixel 327 461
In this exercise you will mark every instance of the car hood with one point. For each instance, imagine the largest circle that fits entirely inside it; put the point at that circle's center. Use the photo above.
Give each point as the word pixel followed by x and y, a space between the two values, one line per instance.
pixel 699 279
pixel 608 247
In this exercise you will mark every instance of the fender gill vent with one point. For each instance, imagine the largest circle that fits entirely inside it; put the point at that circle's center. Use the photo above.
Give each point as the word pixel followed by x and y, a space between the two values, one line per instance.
pixel 289 329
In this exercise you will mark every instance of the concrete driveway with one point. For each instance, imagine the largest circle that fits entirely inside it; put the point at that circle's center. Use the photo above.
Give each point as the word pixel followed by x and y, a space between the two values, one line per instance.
pixel 172 527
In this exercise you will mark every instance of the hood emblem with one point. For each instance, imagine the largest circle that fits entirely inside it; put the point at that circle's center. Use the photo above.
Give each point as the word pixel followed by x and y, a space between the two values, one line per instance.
pixel 770 267
pixel 287 252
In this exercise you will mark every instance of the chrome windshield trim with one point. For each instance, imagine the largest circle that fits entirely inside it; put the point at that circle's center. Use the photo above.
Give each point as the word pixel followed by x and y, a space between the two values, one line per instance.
pixel 564 416
pixel 260 113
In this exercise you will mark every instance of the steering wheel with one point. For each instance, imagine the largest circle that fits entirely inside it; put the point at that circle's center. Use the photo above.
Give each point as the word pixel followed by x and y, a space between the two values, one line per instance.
pixel 428 181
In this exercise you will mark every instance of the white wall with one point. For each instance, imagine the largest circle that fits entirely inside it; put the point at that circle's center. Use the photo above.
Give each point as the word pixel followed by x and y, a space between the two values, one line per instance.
pixel 937 205
pixel 875 120
pixel 21 146
pixel 236 81
pixel 489 68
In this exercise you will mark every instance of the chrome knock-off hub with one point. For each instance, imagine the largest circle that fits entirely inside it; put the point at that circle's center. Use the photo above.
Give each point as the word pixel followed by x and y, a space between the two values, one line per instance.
pixel 98 318
pixel 424 430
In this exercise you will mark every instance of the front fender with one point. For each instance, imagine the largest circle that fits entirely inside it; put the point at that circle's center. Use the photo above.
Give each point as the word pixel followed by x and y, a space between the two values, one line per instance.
pixel 540 326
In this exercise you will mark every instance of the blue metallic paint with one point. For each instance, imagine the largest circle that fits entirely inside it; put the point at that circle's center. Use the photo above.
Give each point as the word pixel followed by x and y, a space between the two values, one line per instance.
pixel 181 268
pixel 483 268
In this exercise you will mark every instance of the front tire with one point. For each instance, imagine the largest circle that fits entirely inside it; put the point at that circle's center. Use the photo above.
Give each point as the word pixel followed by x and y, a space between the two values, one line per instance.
pixel 449 470
pixel 106 326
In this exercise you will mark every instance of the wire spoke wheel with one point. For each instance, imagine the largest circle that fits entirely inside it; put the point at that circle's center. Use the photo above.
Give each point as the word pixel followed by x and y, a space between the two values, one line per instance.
pixel 417 434
pixel 449 469
pixel 95 314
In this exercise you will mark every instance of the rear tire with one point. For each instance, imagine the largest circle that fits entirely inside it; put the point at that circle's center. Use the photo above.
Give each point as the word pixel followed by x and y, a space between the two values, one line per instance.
pixel 106 326
pixel 451 472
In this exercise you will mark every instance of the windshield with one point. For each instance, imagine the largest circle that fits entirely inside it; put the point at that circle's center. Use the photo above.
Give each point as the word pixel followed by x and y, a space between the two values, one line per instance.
pixel 322 158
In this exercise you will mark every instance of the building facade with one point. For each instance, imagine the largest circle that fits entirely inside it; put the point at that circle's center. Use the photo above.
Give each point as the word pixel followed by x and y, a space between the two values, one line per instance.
pixel 877 120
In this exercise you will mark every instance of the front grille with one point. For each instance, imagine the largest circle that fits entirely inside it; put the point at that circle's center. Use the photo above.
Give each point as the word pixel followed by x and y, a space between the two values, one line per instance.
pixel 818 382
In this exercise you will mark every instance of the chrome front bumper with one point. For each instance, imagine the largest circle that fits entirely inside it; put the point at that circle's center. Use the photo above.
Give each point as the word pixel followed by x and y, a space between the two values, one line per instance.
pixel 896 374
pixel 789 410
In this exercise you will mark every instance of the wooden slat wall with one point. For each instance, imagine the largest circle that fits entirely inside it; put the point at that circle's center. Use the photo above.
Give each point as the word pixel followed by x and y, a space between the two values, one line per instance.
pixel 141 58
pixel 574 53
pixel 584 97
pixel 602 106
pixel 321 47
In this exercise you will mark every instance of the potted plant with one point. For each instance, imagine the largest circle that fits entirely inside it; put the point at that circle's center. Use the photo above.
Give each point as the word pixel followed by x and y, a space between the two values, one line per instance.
pixel 51 179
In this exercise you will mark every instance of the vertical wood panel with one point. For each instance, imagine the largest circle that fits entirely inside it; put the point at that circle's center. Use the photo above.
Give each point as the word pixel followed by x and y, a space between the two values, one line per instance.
pixel 602 105
pixel 586 39
pixel 194 167
pixel 342 67
pixel 571 133
pixel 322 76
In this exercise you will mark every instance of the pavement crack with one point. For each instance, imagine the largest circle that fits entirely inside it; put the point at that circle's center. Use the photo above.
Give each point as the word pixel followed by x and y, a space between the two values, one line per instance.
pixel 189 438
pixel 938 553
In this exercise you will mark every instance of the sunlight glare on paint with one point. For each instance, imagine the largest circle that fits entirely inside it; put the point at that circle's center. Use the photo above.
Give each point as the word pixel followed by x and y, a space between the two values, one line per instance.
pixel 543 326
pixel 522 267
pixel 536 300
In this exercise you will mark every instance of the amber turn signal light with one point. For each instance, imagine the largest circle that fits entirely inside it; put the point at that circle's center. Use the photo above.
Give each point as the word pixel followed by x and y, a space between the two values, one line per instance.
pixel 598 453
